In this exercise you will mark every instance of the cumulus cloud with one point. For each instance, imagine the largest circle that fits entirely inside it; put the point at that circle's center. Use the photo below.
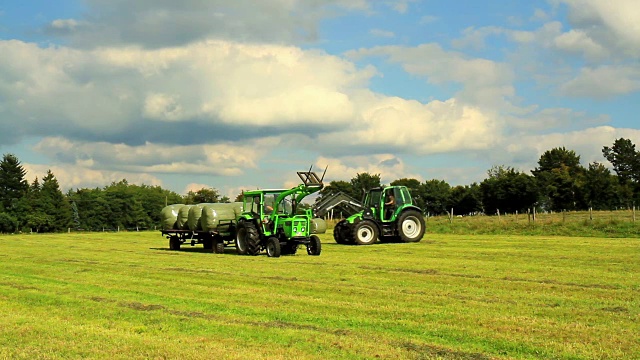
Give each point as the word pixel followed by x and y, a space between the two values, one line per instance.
pixel 156 24
pixel 78 176
pixel 525 150
pixel 616 24
pixel 218 159
pixel 390 167
pixel 485 82
pixel 577 41
pixel 382 33
pixel 402 125
pixel 603 82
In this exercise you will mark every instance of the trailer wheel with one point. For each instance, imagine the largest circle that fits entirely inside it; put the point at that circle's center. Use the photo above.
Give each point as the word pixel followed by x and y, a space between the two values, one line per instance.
pixel 314 247
pixel 174 243
pixel 341 233
pixel 411 226
pixel 273 247
pixel 219 247
pixel 365 232
pixel 207 244
pixel 247 239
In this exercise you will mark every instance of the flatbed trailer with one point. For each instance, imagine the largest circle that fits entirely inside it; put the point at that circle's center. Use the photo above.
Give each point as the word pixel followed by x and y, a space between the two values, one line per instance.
pixel 215 241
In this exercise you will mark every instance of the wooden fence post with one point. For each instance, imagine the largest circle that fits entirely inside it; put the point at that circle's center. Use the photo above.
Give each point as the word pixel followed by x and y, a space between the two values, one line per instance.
pixel 451 217
pixel 534 215
pixel 590 213
pixel 499 220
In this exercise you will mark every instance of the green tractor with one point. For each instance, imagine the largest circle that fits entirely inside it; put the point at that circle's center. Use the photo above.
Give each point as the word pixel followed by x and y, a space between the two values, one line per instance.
pixel 389 215
pixel 273 220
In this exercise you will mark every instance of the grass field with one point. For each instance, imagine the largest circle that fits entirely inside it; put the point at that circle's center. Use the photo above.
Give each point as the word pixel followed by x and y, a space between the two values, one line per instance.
pixel 125 295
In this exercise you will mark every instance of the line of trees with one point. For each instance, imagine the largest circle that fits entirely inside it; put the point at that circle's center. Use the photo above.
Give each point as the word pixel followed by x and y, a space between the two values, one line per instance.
pixel 42 207
pixel 559 182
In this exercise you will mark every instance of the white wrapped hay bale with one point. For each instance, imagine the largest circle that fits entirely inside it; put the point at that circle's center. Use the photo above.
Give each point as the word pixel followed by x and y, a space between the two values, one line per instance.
pixel 169 216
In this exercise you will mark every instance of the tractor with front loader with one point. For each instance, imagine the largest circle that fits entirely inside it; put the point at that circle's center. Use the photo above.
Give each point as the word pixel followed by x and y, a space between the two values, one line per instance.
pixel 273 220
pixel 388 215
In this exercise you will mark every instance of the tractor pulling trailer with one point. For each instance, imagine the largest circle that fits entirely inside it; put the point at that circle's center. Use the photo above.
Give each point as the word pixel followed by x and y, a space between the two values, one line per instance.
pixel 266 220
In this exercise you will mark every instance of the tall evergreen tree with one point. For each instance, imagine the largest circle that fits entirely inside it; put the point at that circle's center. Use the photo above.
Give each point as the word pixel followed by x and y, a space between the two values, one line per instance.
pixel 13 185
pixel 54 203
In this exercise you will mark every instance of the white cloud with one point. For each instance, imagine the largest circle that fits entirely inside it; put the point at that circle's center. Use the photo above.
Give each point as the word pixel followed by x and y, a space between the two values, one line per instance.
pixel 587 143
pixel 382 33
pixel 411 126
pixel 577 41
pixel 226 159
pixel 157 24
pixel 78 176
pixel 485 82
pixel 390 167
pixel 615 23
pixel 603 82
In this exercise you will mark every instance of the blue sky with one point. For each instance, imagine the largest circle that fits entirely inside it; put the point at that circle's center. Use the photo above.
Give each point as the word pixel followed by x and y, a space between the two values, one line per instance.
pixel 240 95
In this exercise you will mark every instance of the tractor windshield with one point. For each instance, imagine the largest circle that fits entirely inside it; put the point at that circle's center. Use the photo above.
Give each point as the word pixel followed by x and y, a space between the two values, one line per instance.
pixel 373 198
pixel 284 207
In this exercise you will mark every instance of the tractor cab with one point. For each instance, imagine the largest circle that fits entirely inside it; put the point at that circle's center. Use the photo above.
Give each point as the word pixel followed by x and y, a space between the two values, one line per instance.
pixel 385 203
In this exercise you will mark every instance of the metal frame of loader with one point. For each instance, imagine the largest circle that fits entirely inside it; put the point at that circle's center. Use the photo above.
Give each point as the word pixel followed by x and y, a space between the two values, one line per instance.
pixel 211 240
pixel 282 230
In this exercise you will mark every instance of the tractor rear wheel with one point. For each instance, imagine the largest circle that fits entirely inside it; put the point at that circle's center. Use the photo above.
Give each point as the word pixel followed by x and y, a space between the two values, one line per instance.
pixel 411 226
pixel 342 234
pixel 365 232
pixel 314 247
pixel 273 247
pixel 247 239
pixel 174 243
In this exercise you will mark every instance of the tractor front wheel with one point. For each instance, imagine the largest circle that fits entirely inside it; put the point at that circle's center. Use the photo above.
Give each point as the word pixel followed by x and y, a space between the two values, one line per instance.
pixel 273 247
pixel 342 234
pixel 411 226
pixel 314 247
pixel 365 232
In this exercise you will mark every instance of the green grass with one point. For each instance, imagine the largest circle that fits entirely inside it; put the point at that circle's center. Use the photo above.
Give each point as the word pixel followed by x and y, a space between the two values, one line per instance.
pixel 124 296
pixel 575 223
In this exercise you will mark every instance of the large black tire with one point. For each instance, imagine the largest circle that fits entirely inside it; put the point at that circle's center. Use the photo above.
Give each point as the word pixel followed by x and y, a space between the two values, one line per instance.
pixel 411 226
pixel 273 247
pixel 207 244
pixel 365 232
pixel 342 233
pixel 314 247
pixel 247 239
pixel 174 243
